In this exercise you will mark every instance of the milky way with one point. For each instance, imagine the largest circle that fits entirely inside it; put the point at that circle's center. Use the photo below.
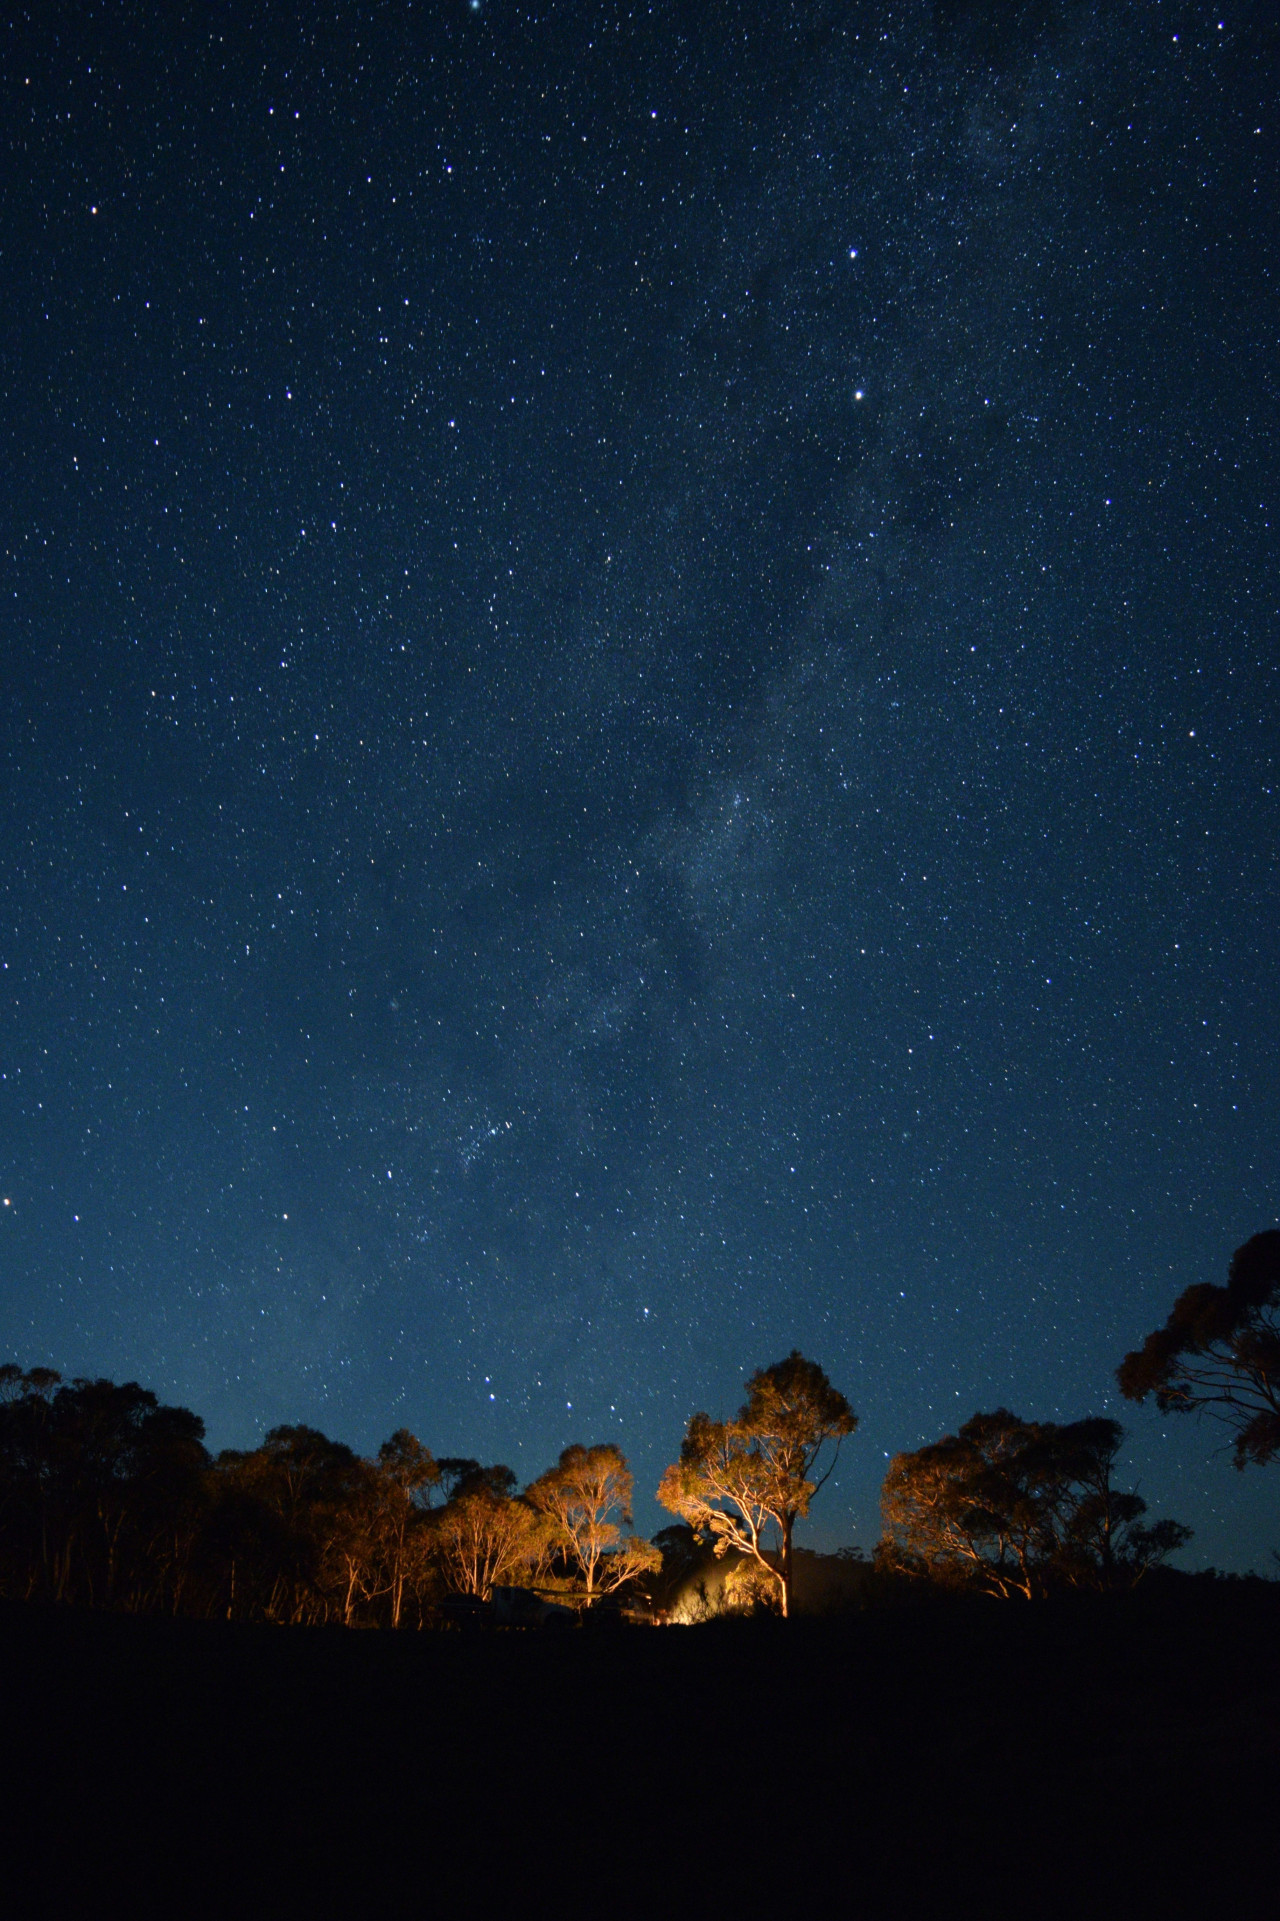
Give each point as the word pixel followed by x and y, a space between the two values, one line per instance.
pixel 640 717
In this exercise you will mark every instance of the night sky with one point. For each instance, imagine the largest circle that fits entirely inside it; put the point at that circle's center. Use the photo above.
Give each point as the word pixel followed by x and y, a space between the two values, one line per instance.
pixel 640 714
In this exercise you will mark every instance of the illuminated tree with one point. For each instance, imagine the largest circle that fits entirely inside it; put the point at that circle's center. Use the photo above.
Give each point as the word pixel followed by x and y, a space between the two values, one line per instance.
pixel 484 1537
pixel 580 1497
pixel 1012 1507
pixel 745 1481
pixel 1219 1351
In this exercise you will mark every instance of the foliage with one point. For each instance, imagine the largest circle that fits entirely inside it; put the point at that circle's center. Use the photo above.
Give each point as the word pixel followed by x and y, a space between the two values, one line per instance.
pixel 742 1481
pixel 484 1537
pixel 408 1477
pixel 580 1497
pixel 1013 1507
pixel 100 1491
pixel 109 1499
pixel 410 1466
pixel 322 1499
pixel 458 1472
pixel 748 1589
pixel 1219 1351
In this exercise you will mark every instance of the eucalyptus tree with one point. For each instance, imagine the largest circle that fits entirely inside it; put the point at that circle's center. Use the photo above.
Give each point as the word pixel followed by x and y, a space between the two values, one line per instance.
pixel 485 1536
pixel 586 1498
pixel 100 1491
pixel 1219 1352
pixel 746 1482
pixel 1013 1508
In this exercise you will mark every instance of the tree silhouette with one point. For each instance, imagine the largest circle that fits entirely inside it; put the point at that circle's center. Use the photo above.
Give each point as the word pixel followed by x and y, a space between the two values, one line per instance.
pixel 459 1473
pixel 1013 1507
pixel 319 1500
pixel 1219 1351
pixel 100 1490
pixel 408 1476
pixel 580 1496
pixel 737 1480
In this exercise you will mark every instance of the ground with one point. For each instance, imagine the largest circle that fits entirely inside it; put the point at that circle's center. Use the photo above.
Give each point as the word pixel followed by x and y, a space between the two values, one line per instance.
pixel 1081 1760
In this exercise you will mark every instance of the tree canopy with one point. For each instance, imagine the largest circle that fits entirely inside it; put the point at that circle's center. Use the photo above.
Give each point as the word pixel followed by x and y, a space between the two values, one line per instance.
pixel 486 1537
pixel 99 1488
pixel 1219 1351
pixel 110 1499
pixel 586 1498
pixel 1013 1507
pixel 748 1480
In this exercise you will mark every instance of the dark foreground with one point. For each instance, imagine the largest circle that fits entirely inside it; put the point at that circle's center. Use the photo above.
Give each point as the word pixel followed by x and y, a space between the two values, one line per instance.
pixel 1078 1760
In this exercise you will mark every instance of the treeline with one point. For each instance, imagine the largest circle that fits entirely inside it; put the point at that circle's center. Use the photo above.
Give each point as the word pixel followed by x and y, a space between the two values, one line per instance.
pixel 109 1499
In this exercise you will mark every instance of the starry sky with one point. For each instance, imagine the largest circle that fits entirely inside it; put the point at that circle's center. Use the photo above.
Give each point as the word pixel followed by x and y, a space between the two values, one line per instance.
pixel 640 713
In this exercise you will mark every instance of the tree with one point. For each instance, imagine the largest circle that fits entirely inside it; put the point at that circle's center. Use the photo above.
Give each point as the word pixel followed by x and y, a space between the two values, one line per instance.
pixel 311 1544
pixel 1219 1351
pixel 99 1490
pixel 580 1496
pixel 459 1472
pixel 408 1476
pixel 483 1536
pixel 1103 1540
pixel 1012 1507
pixel 740 1480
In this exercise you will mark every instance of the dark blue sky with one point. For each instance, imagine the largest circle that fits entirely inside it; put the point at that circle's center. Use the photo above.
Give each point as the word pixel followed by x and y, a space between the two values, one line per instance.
pixel 641 713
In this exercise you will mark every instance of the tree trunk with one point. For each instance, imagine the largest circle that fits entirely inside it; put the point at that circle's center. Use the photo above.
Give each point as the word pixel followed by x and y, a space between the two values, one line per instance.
pixel 788 1523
